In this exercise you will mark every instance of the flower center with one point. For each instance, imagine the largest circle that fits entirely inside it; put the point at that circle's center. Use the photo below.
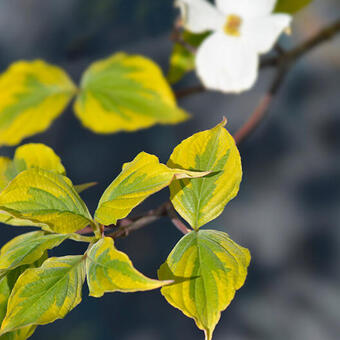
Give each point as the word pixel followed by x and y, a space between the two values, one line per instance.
pixel 232 25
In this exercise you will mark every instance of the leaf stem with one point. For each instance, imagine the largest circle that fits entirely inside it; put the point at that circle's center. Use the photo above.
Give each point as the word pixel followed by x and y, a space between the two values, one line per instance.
pixel 124 229
pixel 128 225
pixel 81 238
pixel 175 219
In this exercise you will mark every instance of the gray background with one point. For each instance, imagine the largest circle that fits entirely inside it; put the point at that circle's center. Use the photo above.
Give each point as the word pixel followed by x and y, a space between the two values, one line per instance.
pixel 287 212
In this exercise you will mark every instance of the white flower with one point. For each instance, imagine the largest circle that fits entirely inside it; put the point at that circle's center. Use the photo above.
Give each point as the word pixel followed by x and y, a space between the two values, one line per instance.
pixel 228 59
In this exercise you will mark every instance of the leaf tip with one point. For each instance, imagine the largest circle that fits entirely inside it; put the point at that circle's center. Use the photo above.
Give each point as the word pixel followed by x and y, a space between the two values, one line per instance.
pixel 166 282
pixel 182 174
pixel 96 295
pixel 223 122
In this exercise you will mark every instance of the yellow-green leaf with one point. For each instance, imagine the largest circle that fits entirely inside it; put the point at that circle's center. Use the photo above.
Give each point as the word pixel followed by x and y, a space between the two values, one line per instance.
pixel 36 155
pixel 290 6
pixel 8 280
pixel 110 270
pixel 20 334
pixel 7 283
pixel 139 179
pixel 33 155
pixel 201 200
pixel 208 268
pixel 27 248
pixel 4 164
pixel 43 295
pixel 32 95
pixel 46 198
pixel 5 291
pixel 182 60
pixel 27 156
pixel 127 93
pixel 9 219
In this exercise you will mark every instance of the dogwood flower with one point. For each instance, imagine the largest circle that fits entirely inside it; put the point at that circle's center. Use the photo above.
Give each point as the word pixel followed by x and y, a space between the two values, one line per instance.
pixel 228 59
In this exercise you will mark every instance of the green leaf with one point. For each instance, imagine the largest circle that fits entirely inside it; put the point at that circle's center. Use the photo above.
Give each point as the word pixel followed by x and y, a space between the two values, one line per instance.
pixel 20 334
pixel 139 179
pixel 43 295
pixel 290 6
pixel 5 291
pixel 201 200
pixel 4 164
pixel 35 155
pixel 32 95
pixel 7 218
pixel 110 270
pixel 47 199
pixel 7 283
pixel 208 268
pixel 127 93
pixel 27 156
pixel 182 60
pixel 27 248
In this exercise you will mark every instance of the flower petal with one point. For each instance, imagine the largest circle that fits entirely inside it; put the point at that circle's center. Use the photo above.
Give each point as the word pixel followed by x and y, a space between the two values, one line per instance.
pixel 200 16
pixel 262 32
pixel 246 8
pixel 226 63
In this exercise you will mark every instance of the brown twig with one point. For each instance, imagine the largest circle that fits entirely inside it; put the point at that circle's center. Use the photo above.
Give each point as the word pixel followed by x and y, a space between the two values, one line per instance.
pixel 166 209
pixel 284 63
pixel 175 219
pixel 322 36
pixel 189 91
pixel 283 57
pixel 261 110
pixel 254 119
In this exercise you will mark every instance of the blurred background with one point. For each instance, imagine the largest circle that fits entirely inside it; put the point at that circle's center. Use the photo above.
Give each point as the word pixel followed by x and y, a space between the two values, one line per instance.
pixel 287 212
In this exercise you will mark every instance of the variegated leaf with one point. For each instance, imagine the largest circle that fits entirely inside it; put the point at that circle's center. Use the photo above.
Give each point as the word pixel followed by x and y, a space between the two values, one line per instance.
pixel 32 95
pixel 127 93
pixel 207 267
pixel 139 179
pixel 201 200
pixel 43 295
pixel 110 270
pixel 27 248
pixel 47 199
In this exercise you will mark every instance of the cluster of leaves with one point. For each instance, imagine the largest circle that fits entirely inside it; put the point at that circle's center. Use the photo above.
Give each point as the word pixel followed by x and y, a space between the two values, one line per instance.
pixel 122 92
pixel 199 277
pixel 202 272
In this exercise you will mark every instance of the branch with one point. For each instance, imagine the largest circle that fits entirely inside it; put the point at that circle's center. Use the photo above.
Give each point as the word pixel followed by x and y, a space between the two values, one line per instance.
pixel 324 35
pixel 189 91
pixel 175 219
pixel 283 57
pixel 262 109
pixel 284 63
pixel 123 229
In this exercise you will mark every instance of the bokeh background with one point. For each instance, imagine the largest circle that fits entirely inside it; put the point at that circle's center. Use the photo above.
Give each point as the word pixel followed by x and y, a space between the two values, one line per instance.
pixel 287 212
